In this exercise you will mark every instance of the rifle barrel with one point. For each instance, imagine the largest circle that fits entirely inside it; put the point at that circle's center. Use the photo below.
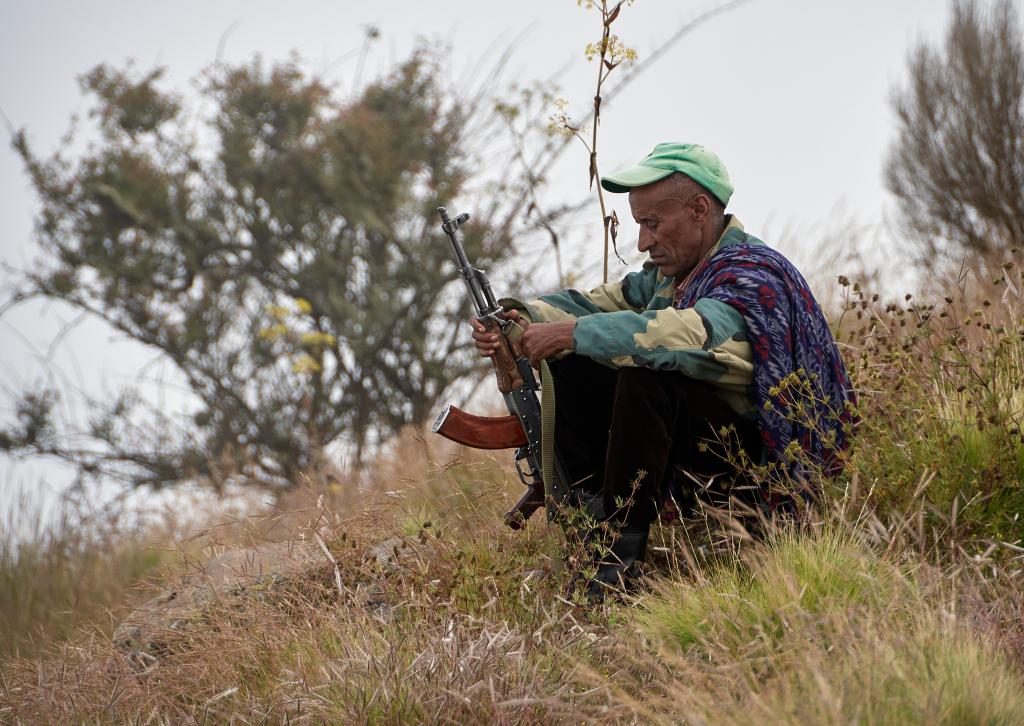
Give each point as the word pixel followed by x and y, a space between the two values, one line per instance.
pixel 476 281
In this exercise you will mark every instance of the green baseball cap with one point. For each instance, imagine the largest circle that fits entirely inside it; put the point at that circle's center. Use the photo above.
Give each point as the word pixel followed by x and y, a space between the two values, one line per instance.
pixel 701 165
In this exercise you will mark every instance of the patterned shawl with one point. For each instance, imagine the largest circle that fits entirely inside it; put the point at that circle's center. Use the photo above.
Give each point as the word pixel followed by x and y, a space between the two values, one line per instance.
pixel 802 392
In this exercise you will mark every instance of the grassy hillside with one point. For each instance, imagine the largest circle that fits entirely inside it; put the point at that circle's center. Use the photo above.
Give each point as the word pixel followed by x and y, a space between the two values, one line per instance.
pixel 898 601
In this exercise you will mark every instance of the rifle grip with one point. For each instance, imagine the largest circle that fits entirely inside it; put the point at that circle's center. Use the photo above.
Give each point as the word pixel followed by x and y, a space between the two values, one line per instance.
pixel 529 503
pixel 504 360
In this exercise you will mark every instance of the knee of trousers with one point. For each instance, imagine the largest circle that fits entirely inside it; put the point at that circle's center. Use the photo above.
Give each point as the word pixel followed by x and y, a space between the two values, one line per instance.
pixel 639 383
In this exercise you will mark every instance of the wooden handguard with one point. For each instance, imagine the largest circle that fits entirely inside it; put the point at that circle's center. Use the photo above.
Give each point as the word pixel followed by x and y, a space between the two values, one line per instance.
pixel 480 432
pixel 504 359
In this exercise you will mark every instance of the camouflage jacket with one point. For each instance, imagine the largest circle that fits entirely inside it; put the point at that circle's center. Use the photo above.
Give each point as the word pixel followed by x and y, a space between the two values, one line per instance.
pixel 633 323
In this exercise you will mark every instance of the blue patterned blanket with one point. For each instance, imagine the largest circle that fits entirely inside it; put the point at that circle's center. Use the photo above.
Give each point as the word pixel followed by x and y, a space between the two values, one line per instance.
pixel 805 402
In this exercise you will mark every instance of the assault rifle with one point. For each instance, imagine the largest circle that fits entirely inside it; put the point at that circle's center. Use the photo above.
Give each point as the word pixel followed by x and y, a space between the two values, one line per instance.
pixel 521 429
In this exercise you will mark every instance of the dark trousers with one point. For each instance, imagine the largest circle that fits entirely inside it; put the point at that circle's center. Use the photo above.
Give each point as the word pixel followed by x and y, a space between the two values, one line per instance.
pixel 627 433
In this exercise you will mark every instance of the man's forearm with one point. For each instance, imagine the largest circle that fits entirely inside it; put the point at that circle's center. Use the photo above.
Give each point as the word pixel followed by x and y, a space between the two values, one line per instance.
pixel 707 342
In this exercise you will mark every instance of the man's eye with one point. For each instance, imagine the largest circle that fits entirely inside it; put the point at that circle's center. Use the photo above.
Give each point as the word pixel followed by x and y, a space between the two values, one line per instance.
pixel 651 225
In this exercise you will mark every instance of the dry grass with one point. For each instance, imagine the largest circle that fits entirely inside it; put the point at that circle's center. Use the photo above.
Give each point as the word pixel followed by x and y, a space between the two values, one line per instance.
pixel 942 395
pixel 459 631
pixel 79 569
pixel 899 601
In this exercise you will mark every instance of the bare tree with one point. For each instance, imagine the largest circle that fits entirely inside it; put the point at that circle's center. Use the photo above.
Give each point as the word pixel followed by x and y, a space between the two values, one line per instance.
pixel 957 166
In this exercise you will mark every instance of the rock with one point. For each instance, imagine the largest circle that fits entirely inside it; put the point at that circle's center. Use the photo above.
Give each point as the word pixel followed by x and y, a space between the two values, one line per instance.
pixel 386 553
pixel 143 632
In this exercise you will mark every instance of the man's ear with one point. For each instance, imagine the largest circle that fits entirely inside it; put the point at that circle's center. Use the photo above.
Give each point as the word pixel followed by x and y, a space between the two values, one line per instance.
pixel 701 207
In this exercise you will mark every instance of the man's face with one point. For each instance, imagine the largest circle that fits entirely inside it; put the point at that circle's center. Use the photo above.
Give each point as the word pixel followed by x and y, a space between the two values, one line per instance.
pixel 669 228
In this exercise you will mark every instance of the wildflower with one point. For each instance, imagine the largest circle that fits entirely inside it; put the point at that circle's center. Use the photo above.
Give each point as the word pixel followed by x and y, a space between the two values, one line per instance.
pixel 279 312
pixel 306 364
pixel 611 51
pixel 273 332
pixel 559 122
pixel 303 305
pixel 507 110
pixel 792 450
pixel 313 340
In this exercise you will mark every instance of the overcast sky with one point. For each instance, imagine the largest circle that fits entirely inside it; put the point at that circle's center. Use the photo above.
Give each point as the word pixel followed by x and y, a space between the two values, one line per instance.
pixel 792 94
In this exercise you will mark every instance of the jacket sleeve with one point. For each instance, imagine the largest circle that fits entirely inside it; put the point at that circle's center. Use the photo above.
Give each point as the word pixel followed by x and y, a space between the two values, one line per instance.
pixel 633 323
pixel 631 293
pixel 707 341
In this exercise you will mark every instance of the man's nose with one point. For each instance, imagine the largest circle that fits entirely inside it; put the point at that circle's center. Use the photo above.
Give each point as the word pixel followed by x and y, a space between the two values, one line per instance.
pixel 645 241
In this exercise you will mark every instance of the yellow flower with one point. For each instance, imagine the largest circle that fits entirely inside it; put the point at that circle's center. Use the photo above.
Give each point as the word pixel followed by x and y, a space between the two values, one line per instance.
pixel 303 305
pixel 277 311
pixel 273 332
pixel 614 51
pixel 312 340
pixel 305 364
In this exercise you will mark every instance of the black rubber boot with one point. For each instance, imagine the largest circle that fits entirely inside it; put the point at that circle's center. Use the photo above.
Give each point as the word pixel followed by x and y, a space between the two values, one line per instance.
pixel 618 563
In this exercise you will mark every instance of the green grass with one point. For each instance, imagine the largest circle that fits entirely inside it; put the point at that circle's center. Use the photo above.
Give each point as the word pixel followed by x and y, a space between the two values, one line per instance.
pixel 820 627
pixel 796 574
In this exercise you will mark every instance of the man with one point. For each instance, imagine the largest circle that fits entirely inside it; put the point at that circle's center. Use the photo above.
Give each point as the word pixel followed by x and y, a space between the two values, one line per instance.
pixel 716 333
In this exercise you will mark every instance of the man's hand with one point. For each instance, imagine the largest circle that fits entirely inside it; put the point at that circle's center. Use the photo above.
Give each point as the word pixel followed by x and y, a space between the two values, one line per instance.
pixel 543 340
pixel 487 342
pixel 540 340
